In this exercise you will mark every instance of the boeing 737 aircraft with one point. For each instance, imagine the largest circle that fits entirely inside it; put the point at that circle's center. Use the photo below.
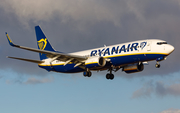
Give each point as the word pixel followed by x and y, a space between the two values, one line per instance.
pixel 130 57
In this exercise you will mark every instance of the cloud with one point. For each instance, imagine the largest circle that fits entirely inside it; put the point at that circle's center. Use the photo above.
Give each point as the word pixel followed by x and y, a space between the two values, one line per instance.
pixel 31 80
pixel 171 110
pixel 78 10
pixel 86 24
pixel 38 81
pixel 145 91
pixel 158 88
pixel 162 89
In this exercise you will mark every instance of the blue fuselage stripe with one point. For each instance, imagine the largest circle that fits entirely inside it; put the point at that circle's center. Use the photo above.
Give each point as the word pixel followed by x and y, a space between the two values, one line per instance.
pixel 116 61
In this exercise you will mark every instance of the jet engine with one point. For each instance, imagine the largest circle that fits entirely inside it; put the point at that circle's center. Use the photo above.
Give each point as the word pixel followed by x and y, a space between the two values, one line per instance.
pixel 134 68
pixel 99 61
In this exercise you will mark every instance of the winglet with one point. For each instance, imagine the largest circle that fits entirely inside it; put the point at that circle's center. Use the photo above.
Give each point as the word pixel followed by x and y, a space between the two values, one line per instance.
pixel 9 40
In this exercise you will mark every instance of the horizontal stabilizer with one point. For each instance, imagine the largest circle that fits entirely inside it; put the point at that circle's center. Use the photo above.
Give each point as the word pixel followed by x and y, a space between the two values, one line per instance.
pixel 28 60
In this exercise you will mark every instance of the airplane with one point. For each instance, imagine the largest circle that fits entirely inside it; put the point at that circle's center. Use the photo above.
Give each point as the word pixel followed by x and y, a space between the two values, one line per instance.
pixel 130 57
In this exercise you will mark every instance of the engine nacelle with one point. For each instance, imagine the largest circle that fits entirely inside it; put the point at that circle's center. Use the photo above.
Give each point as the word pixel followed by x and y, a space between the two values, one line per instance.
pixel 134 68
pixel 99 61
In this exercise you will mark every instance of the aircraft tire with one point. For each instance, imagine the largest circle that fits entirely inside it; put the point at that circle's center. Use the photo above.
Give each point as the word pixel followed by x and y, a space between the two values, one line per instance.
pixel 87 74
pixel 157 65
pixel 109 76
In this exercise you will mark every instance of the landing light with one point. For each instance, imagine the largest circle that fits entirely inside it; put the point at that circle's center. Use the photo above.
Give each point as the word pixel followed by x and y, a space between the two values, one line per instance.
pixel 161 58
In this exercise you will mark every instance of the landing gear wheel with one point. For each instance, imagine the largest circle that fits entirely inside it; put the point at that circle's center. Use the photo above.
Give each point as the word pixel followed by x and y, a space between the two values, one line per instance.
pixel 107 76
pixel 110 76
pixel 87 73
pixel 157 65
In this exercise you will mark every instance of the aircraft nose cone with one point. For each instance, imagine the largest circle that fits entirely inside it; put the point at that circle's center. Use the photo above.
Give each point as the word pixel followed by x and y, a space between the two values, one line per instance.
pixel 170 49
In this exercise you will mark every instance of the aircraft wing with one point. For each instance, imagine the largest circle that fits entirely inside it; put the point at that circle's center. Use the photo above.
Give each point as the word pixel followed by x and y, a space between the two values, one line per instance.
pixel 29 60
pixel 54 55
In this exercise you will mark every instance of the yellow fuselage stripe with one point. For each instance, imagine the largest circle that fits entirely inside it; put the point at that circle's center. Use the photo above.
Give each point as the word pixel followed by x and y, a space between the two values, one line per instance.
pixel 107 57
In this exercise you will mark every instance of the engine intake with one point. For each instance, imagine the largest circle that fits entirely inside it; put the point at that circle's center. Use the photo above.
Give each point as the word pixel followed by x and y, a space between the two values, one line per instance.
pixel 134 68
pixel 101 61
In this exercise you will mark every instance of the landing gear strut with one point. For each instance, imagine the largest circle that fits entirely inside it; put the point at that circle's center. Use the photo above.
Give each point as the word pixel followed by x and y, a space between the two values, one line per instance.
pixel 157 65
pixel 110 75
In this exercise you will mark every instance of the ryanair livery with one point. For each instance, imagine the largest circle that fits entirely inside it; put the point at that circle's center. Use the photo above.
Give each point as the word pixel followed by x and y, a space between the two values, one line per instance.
pixel 130 57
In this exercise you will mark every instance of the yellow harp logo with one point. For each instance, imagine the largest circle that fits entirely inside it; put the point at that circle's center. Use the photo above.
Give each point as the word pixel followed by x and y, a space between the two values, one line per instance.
pixel 42 43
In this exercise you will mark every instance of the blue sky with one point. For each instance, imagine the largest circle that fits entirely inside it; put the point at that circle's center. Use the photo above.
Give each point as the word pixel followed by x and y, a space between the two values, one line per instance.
pixel 75 93
pixel 78 25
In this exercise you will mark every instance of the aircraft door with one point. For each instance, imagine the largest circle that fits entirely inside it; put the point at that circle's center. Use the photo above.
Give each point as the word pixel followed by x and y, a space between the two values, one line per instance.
pixel 149 46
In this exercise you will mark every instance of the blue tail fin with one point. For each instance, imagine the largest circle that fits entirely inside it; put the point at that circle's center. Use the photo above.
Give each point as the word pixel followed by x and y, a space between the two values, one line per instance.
pixel 42 42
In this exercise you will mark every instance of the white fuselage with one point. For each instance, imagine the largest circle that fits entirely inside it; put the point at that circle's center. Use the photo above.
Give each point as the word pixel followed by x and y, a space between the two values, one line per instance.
pixel 121 54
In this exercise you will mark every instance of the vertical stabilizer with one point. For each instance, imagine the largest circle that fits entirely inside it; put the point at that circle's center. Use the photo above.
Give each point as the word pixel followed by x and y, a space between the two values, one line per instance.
pixel 42 42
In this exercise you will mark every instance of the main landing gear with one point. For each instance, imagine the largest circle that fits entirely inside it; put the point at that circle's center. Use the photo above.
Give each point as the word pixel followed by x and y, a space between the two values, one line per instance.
pixel 110 75
pixel 157 65
pixel 87 73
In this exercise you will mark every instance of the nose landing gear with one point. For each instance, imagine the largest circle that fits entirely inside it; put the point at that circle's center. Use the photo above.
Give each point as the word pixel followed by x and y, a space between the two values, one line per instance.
pixel 157 65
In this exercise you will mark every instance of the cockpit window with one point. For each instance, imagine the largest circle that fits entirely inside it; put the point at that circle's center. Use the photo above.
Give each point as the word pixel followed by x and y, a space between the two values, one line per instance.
pixel 160 43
